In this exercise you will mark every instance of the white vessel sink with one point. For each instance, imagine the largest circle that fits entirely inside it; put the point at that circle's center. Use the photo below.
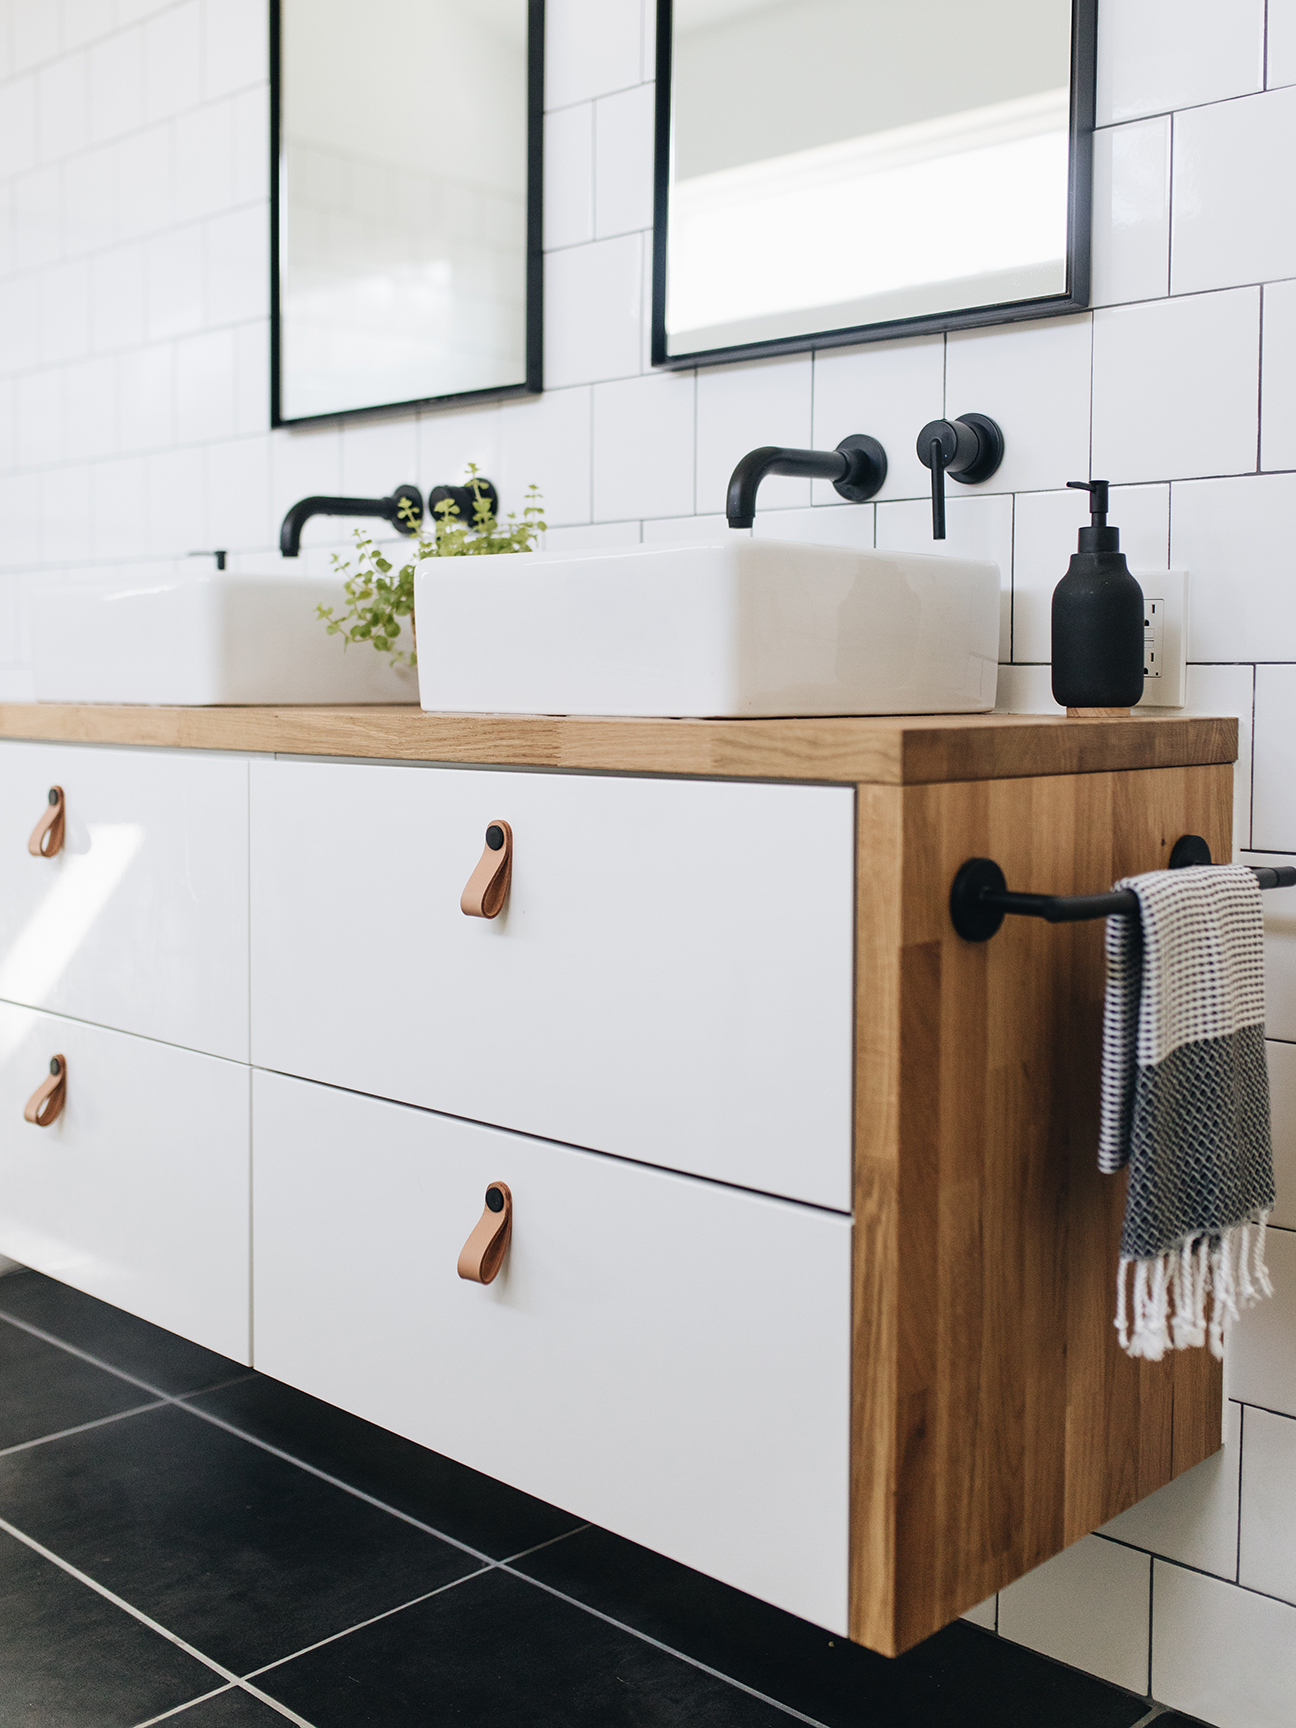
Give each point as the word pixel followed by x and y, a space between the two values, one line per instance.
pixel 753 627
pixel 201 640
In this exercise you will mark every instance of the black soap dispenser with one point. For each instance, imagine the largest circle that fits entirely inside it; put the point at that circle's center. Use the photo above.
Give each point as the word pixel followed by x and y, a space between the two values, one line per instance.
pixel 1097 620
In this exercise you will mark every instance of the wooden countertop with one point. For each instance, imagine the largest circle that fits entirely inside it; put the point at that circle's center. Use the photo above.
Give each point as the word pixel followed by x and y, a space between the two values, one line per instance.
pixel 887 750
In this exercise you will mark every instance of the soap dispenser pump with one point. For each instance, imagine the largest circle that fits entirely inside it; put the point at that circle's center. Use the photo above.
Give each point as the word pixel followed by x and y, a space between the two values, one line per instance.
pixel 1097 620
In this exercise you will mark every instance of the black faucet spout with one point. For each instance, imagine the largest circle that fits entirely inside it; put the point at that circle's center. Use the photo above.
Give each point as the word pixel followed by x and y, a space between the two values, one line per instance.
pixel 857 469
pixel 403 509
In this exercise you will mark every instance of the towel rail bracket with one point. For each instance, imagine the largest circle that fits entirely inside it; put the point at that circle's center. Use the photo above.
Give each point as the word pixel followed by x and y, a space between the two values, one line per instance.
pixel 980 898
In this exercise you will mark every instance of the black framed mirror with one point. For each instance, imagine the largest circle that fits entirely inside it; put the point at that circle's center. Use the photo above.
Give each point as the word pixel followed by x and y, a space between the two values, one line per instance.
pixel 840 171
pixel 406 262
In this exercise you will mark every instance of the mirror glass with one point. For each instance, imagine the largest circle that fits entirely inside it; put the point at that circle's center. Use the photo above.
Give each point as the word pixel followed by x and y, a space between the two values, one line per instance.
pixel 407 137
pixel 832 164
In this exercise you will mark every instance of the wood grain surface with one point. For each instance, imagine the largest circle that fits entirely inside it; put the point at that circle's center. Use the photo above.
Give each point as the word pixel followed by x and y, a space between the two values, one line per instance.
pixel 995 1418
pixel 889 750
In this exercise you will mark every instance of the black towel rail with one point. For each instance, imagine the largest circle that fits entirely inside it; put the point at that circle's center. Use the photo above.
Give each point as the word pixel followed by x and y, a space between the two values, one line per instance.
pixel 980 898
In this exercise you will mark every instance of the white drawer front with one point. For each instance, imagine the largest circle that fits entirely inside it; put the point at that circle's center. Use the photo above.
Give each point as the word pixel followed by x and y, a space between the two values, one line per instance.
pixel 139 1192
pixel 670 980
pixel 666 1357
pixel 141 921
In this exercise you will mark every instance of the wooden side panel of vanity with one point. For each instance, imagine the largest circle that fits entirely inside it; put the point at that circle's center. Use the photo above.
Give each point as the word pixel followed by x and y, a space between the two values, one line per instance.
pixel 995 1419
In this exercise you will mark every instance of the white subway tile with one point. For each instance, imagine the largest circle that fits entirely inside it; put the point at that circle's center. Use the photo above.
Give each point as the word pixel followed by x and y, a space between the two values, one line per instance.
pixel 545 441
pixel 19 522
pixel 1154 55
pixel 1034 379
pixel 888 390
pixel 1175 387
pixel 177 486
pixel 593 308
pixel 18 125
pixel 592 47
pixel 985 1613
pixel 689 531
pixel 1088 1607
pixel 146 410
pixel 89 201
pixel 1282 1103
pixel 252 362
pixel 1273 807
pixel 1228 690
pixel 19 322
pixel 1233 537
pixel 1234 174
pixel 450 438
pixel 8 425
pixel 62 107
pixel 204 160
pixel 1279 906
pixel 304 460
pixel 741 407
pixel 643 447
pixel 172 61
pixel 592 537
pixel 569 176
pixel 144 182
pixel 852 525
pixel 976 527
pixel 119 507
pixel 90 409
pixel 205 386
pixel 251 111
pixel 238 494
pixel 174 282
pixel 1221 1653
pixel 1131 212
pixel 35 31
pixel 63 500
pixel 1278 377
pixel 116 85
pixel 237 248
pixel 1193 1519
pixel 117 298
pixel 1262 1345
pixel 650 38
pixel 623 162
pixel 1280 43
pixel 65 311
pixel 1267 1550
pixel 379 455
pixel 236 46
pixel 84 21
pixel 37 217
pixel 40 423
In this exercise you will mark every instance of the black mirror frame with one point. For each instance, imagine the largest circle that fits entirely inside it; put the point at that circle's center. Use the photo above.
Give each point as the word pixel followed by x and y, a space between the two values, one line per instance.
pixel 533 384
pixel 1084 59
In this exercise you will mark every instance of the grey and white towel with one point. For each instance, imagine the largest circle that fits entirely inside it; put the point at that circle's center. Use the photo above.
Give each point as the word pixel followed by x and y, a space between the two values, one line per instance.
pixel 1185 1104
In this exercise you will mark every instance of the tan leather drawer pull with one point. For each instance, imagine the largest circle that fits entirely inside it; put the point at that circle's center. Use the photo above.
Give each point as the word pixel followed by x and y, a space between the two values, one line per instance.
pixel 482 1254
pixel 489 883
pixel 45 1105
pixel 47 836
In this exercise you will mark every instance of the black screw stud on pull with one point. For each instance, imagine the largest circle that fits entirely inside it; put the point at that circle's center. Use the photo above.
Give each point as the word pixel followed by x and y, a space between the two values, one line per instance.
pixel 968 449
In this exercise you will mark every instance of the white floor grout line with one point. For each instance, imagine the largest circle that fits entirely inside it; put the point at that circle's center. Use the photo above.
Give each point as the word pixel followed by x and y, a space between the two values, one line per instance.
pixel 523 1552
pixel 189 1704
pixel 1153 1713
pixel 488 1564
pixel 81 1428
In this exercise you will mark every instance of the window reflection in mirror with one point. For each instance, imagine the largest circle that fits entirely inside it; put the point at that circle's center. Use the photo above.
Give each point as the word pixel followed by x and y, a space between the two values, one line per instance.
pixel 842 163
pixel 404 143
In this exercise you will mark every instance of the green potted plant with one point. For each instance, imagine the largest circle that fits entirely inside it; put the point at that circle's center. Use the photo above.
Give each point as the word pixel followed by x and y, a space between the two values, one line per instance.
pixel 377 600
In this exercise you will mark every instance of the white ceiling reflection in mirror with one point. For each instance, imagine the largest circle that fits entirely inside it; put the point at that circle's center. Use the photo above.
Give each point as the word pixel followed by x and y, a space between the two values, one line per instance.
pixel 844 163
pixel 403 143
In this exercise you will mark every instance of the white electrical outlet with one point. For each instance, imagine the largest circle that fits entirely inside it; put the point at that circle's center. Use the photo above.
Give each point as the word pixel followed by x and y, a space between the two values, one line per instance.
pixel 1165 638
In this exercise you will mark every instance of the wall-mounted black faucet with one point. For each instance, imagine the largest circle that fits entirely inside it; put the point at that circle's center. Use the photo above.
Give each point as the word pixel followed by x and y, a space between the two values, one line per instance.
pixel 386 509
pixel 968 449
pixel 857 469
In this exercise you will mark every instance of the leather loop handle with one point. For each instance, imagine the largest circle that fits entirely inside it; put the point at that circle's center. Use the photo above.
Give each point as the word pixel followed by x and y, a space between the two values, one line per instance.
pixel 45 1105
pixel 47 836
pixel 489 883
pixel 483 1253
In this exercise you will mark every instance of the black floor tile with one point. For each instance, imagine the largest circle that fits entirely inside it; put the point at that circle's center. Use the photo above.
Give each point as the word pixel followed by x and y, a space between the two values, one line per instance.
pixel 496 1651
pixel 232 1709
pixel 170 1363
pixel 1172 1719
pixel 43 1389
pixel 69 1659
pixel 472 1508
pixel 243 1555
pixel 963 1676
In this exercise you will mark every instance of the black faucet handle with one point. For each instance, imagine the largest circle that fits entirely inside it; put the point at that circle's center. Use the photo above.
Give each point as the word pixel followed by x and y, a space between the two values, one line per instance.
pixel 464 500
pixel 968 449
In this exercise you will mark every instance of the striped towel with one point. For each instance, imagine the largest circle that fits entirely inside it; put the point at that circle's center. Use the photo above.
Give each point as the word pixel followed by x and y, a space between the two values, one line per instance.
pixel 1185 1104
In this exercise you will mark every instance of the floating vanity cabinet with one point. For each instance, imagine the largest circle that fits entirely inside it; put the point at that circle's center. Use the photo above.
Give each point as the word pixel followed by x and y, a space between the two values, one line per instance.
pixel 811 1276
pixel 139 919
pixel 137 1191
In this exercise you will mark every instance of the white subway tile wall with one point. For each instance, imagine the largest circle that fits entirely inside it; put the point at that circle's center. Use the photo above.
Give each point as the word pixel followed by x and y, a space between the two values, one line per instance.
pixel 134 404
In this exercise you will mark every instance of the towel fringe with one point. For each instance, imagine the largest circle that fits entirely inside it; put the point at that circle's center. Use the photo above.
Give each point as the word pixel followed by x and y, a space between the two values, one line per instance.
pixel 1229 1267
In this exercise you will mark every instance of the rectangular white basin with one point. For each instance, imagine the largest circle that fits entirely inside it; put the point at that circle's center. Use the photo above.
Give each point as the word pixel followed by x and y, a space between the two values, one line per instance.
pixel 203 639
pixel 753 627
